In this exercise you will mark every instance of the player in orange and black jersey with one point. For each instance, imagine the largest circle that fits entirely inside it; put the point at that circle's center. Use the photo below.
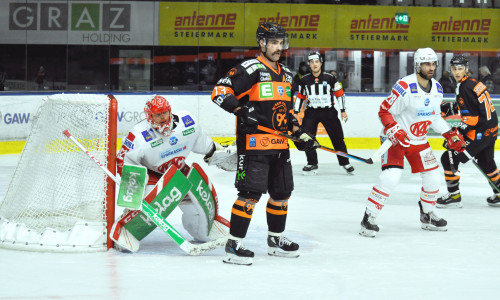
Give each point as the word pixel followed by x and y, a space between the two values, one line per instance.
pixel 479 126
pixel 258 92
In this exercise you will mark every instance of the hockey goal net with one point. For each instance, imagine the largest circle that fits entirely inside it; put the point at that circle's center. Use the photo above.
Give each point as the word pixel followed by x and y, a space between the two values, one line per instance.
pixel 58 199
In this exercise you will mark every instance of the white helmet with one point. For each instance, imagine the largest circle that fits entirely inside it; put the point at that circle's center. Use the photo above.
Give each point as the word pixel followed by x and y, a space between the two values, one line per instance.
pixel 424 55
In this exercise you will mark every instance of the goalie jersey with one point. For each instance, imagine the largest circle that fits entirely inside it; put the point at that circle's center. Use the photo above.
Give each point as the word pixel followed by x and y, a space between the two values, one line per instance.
pixel 144 146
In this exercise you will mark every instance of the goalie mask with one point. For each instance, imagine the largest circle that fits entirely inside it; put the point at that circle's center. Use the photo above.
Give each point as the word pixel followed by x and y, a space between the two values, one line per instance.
pixel 159 114
pixel 424 55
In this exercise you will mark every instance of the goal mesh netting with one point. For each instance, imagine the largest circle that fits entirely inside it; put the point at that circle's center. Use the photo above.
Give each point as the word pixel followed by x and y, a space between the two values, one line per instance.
pixel 57 198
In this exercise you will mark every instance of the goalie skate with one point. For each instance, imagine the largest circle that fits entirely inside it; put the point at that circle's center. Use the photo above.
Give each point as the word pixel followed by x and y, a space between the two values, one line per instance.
pixel 279 245
pixel 237 253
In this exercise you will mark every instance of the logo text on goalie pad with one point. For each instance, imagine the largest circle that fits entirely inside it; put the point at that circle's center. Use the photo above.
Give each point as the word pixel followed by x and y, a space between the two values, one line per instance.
pixel 131 187
pixel 161 206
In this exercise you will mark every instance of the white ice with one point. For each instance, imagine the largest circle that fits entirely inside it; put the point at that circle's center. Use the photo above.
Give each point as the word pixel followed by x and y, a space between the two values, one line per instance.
pixel 402 262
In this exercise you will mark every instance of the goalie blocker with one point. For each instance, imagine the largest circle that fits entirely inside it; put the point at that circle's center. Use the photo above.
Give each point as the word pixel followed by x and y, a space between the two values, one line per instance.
pixel 196 197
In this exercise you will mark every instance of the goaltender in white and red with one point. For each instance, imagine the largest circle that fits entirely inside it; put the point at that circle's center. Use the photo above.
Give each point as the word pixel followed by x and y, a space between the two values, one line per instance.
pixel 412 107
pixel 161 140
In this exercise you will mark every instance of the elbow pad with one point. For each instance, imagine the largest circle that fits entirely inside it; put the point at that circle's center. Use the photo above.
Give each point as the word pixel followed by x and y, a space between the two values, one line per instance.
pixel 228 102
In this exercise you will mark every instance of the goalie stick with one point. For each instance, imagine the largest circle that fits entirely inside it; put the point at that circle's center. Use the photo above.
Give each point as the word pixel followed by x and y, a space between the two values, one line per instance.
pixel 383 148
pixel 479 168
pixel 185 245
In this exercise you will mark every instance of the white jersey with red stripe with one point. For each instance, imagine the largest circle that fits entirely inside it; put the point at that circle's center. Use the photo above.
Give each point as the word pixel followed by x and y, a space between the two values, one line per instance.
pixel 145 146
pixel 414 109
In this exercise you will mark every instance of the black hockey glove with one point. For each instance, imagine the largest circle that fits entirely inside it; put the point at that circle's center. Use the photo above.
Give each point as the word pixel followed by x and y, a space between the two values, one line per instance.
pixel 449 109
pixel 247 119
pixel 307 141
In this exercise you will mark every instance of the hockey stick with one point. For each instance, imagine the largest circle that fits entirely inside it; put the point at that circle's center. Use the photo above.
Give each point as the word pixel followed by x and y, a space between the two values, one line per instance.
pixel 383 148
pixel 479 168
pixel 186 246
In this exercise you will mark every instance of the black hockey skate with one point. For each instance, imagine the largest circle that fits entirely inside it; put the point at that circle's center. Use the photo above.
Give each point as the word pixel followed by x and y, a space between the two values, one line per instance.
pixel 237 253
pixel 430 221
pixel 450 200
pixel 494 200
pixel 310 170
pixel 349 169
pixel 368 226
pixel 279 245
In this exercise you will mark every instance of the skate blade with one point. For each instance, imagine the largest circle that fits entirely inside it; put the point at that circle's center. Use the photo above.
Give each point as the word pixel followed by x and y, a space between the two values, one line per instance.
pixel 494 204
pixel 310 173
pixel 278 252
pixel 433 228
pixel 367 233
pixel 451 205
pixel 237 260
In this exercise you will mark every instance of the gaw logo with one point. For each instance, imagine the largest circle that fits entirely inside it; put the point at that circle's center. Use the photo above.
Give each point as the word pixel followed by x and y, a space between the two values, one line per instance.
pixel 266 90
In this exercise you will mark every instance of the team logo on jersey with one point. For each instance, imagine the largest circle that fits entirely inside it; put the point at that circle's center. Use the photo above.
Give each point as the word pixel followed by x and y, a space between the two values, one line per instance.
pixel 280 116
pixel 188 121
pixel 252 142
pixel 413 88
pixel 281 91
pixel 156 143
pixel 188 132
pixel 173 151
pixel 420 128
pixel 173 140
pixel 149 135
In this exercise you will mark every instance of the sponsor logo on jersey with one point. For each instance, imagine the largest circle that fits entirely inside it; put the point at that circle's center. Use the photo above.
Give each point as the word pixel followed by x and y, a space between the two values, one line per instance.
pixel 266 90
pixel 281 91
pixel 252 142
pixel 172 151
pixel 254 68
pixel 413 88
pixel 188 132
pixel 247 63
pixel 225 80
pixel 129 144
pixel 439 88
pixel 399 89
pixel 425 112
pixel 156 143
pixel 188 121
pixel 173 140
pixel 427 101
pixel 148 135
pixel 264 76
pixel 288 78
pixel 288 91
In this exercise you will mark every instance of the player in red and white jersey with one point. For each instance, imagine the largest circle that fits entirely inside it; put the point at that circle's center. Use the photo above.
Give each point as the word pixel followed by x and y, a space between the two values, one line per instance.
pixel 412 107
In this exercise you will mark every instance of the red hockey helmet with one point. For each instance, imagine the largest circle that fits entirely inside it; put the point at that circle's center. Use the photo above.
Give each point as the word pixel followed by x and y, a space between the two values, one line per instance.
pixel 154 108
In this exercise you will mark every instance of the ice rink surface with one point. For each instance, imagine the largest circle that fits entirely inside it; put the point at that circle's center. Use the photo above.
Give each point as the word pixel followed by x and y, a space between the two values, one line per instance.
pixel 402 262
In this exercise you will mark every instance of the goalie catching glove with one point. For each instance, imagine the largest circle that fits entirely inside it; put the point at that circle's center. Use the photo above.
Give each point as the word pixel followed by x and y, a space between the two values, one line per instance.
pixel 224 158
pixel 397 135
pixel 307 141
pixel 454 140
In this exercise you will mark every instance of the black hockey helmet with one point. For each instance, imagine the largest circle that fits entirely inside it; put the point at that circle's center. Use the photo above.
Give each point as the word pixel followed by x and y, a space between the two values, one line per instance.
pixel 271 30
pixel 315 55
pixel 459 60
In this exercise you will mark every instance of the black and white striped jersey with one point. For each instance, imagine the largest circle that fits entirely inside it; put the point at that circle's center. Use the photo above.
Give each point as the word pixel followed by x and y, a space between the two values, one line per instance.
pixel 319 92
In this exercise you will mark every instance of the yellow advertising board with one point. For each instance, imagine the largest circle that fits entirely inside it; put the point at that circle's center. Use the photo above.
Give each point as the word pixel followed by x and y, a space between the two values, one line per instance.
pixel 201 24
pixel 330 26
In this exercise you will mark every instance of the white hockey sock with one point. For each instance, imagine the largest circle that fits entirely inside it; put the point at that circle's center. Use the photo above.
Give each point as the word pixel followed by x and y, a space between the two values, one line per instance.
pixel 428 200
pixel 376 200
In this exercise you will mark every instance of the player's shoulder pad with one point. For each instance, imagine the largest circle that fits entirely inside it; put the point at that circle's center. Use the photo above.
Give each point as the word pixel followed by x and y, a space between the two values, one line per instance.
pixel 186 119
pixel 285 68
pixel 144 133
pixel 251 65
pixel 438 85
